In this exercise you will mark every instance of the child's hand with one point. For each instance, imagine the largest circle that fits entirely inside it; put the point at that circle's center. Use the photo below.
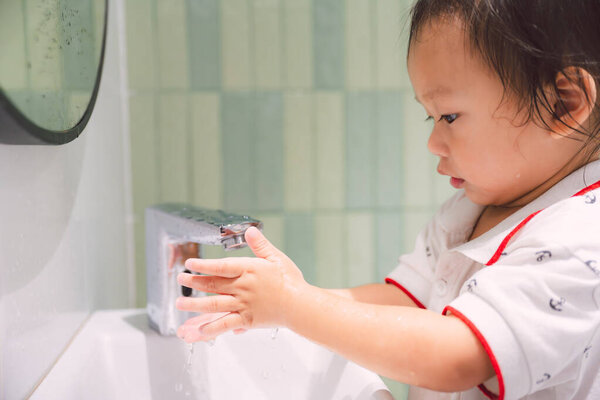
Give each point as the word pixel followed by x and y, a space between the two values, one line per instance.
pixel 253 292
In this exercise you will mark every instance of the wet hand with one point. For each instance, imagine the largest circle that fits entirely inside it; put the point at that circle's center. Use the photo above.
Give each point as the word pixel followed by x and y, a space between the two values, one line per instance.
pixel 251 292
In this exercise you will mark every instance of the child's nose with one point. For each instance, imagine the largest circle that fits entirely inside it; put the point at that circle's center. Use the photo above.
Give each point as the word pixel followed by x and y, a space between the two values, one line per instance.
pixel 436 144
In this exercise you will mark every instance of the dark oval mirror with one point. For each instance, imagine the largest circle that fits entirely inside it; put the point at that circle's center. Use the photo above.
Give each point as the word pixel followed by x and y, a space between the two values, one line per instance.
pixel 50 67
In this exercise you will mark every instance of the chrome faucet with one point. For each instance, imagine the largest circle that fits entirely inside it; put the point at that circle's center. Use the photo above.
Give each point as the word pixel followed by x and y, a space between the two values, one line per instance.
pixel 174 233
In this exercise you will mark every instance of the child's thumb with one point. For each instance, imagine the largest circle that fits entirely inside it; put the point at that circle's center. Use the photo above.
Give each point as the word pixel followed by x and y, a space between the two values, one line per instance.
pixel 260 245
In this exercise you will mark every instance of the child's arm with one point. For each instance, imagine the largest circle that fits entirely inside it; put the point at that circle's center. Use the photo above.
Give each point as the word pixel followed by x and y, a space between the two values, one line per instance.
pixel 415 346
pixel 376 293
pixel 408 344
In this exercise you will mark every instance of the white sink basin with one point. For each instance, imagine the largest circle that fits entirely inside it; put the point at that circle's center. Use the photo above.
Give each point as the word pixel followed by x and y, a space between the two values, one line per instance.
pixel 117 356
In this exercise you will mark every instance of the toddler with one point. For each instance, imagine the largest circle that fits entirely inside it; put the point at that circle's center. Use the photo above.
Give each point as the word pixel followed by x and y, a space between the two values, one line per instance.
pixel 500 297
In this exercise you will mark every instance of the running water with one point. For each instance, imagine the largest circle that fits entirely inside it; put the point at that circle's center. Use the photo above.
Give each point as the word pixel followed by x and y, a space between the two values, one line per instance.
pixel 186 370
pixel 189 360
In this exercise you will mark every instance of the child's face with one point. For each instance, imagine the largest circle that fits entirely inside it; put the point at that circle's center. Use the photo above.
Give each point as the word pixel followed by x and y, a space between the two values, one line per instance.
pixel 486 149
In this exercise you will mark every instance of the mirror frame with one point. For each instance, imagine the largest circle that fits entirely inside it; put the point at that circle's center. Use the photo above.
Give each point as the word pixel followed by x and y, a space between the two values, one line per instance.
pixel 16 128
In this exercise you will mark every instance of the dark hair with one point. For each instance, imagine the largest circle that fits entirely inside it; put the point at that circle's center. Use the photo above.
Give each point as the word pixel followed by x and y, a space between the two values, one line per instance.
pixel 528 43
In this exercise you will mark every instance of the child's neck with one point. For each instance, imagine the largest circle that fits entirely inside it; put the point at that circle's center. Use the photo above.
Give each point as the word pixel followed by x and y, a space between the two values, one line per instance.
pixel 489 218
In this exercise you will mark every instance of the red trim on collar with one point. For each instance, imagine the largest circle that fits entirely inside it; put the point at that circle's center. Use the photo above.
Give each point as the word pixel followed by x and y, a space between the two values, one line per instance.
pixel 409 294
pixel 587 189
pixel 488 350
pixel 504 242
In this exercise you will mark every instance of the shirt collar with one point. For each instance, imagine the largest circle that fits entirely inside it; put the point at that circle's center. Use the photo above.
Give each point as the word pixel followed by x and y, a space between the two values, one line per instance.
pixel 484 246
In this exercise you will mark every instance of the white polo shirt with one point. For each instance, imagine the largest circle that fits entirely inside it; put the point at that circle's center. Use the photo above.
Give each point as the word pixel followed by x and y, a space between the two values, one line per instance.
pixel 535 306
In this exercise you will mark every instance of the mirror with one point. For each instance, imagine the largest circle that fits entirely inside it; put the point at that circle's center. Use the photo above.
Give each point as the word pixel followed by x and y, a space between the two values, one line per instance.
pixel 50 67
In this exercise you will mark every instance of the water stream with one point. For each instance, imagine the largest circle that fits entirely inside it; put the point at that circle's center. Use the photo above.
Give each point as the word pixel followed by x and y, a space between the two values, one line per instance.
pixel 186 370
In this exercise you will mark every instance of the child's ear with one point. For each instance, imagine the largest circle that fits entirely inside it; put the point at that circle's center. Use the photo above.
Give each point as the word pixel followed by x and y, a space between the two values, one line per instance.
pixel 577 104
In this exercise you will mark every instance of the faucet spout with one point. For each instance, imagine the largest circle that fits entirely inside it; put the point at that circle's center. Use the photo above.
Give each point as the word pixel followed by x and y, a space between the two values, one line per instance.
pixel 174 233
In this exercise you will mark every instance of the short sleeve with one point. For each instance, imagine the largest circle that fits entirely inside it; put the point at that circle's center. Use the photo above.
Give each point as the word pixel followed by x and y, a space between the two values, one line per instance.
pixel 452 224
pixel 536 313
pixel 414 272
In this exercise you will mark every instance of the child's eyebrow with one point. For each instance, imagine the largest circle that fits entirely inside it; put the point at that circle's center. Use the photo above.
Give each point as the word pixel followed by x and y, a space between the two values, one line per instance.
pixel 437 91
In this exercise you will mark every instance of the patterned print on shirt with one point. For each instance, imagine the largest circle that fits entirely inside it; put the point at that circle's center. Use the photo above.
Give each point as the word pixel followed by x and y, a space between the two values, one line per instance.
pixel 586 352
pixel 541 255
pixel 556 305
pixel 471 284
pixel 590 198
pixel 592 265
pixel 546 378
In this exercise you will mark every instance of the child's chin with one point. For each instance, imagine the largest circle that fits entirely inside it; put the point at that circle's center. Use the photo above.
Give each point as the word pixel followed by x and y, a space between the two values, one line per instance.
pixel 478 198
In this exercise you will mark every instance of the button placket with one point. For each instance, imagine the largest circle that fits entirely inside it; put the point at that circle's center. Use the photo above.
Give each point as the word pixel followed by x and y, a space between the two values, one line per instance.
pixel 441 287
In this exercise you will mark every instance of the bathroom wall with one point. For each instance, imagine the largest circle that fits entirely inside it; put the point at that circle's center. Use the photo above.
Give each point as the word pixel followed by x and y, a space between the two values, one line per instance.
pixel 65 247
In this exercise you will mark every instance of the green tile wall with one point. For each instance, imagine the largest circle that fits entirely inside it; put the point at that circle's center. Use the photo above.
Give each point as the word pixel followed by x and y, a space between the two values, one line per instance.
pixel 328 43
pixel 268 151
pixel 361 151
pixel 204 41
pixel 297 112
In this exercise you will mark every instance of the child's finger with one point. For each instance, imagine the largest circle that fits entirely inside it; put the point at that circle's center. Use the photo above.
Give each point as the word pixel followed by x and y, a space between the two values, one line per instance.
pixel 192 334
pixel 230 322
pixel 191 330
pixel 204 318
pixel 206 283
pixel 261 246
pixel 197 322
pixel 231 267
pixel 207 304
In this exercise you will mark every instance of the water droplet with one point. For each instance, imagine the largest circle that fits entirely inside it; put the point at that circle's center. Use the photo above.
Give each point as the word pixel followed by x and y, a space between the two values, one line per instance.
pixel 187 394
pixel 265 375
pixel 274 333
pixel 178 387
pixel 190 355
pixel 211 342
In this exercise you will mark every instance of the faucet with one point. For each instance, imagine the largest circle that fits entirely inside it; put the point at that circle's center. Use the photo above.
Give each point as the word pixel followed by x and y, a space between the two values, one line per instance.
pixel 174 233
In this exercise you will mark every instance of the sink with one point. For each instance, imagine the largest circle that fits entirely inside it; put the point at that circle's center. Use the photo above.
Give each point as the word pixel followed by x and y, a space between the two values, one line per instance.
pixel 117 356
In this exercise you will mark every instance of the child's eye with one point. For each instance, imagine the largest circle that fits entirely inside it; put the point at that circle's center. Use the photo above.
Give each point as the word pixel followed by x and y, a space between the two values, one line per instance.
pixel 449 118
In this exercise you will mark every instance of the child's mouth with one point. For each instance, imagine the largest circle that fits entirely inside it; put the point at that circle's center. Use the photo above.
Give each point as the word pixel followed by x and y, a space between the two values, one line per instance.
pixel 457 182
